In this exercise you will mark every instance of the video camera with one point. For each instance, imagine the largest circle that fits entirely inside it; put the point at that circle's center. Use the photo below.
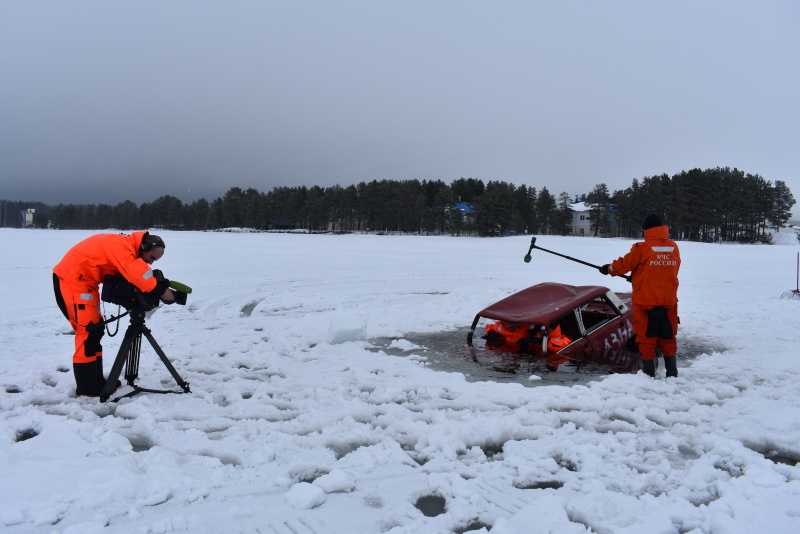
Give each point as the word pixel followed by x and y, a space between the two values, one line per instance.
pixel 117 290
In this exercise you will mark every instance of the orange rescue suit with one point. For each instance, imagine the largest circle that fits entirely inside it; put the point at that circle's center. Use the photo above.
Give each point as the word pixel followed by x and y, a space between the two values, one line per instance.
pixel 511 332
pixel 556 340
pixel 79 275
pixel 654 266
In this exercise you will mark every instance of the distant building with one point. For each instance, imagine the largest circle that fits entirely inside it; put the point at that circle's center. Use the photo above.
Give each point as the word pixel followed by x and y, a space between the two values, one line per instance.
pixel 465 210
pixel 27 217
pixel 582 220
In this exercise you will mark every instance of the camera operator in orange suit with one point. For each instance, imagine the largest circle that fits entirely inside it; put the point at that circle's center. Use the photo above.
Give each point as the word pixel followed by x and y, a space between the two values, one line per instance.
pixel 76 282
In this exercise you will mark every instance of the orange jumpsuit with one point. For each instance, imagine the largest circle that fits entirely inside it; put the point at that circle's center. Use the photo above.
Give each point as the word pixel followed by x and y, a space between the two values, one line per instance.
pixel 511 333
pixel 78 276
pixel 556 340
pixel 654 266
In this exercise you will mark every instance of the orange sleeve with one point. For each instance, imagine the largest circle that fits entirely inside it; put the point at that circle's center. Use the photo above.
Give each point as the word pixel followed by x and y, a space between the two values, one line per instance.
pixel 626 263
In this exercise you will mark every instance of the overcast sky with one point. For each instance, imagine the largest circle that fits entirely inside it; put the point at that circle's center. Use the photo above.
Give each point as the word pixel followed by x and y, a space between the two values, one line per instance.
pixel 102 101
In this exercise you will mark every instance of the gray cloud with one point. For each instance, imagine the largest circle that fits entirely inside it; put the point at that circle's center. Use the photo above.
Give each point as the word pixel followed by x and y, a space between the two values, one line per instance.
pixel 102 102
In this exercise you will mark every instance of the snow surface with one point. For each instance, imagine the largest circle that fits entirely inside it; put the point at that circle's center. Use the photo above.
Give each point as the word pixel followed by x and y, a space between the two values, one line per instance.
pixel 297 424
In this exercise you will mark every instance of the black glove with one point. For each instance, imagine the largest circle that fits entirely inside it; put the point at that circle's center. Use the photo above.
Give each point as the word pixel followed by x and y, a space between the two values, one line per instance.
pixel 603 269
pixel 161 286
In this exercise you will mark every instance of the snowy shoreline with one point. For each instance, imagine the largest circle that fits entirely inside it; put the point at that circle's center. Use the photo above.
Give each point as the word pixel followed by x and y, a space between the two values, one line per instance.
pixel 295 425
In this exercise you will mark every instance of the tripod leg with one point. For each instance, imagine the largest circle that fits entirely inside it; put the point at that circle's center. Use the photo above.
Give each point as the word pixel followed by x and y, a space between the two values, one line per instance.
pixel 116 369
pixel 167 363
pixel 132 367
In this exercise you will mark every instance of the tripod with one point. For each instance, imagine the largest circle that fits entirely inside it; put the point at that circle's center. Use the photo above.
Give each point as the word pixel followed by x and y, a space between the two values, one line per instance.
pixel 129 353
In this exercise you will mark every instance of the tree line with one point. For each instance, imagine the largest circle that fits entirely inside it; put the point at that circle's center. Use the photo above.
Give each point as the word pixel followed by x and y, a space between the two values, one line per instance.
pixel 700 205
pixel 719 204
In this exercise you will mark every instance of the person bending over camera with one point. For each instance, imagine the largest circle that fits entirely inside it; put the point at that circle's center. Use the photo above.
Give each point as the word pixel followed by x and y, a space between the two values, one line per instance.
pixel 76 283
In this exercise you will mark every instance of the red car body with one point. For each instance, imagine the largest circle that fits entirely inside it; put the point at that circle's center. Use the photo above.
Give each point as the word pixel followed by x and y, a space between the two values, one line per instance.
pixel 568 325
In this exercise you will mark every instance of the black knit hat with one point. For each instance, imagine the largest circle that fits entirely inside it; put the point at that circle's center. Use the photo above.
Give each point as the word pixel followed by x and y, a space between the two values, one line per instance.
pixel 652 220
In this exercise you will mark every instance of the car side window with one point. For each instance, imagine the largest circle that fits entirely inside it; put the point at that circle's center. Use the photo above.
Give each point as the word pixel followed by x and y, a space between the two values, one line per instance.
pixel 596 313
pixel 569 326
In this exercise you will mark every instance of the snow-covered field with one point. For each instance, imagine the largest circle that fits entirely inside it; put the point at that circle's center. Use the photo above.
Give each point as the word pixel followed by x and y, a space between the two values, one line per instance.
pixel 296 424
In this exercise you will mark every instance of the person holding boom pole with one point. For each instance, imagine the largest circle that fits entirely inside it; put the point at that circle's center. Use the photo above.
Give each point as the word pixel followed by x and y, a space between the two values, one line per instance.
pixel 654 265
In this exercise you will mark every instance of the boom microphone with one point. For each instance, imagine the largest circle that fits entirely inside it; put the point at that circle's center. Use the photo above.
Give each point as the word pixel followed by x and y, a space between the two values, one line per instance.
pixel 177 286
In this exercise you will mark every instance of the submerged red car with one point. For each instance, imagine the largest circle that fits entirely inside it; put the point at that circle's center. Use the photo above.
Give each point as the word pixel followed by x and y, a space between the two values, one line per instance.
pixel 567 325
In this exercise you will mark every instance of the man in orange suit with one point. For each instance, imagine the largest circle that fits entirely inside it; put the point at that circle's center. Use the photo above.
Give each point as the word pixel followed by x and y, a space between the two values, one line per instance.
pixel 76 282
pixel 654 266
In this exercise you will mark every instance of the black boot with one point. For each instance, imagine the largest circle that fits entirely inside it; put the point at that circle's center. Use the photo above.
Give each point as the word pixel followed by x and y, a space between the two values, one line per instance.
pixel 671 365
pixel 100 378
pixel 649 367
pixel 99 368
pixel 86 379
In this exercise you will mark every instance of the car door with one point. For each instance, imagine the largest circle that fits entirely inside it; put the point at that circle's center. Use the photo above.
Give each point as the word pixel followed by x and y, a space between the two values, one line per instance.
pixel 607 330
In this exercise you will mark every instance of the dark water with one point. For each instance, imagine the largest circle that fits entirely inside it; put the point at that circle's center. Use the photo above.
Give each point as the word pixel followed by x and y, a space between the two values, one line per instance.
pixel 431 505
pixel 448 351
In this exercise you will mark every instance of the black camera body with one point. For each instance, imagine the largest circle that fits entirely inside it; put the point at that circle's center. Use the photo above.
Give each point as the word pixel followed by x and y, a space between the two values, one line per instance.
pixel 117 290
pixel 180 296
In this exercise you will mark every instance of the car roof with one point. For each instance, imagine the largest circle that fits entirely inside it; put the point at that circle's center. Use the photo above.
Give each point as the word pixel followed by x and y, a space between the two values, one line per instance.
pixel 542 303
